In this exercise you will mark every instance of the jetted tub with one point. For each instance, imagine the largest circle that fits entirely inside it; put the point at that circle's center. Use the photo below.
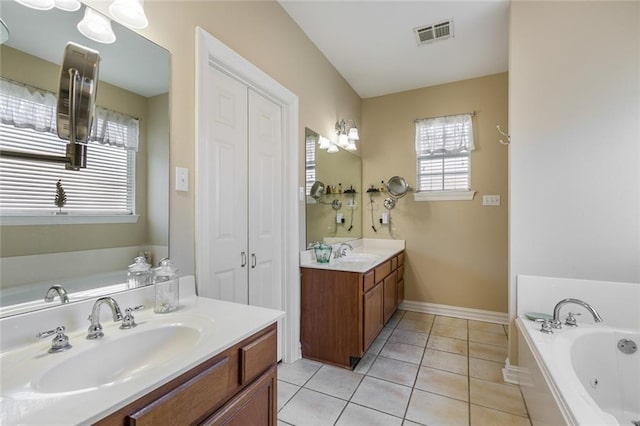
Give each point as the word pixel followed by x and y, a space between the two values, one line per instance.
pixel 579 375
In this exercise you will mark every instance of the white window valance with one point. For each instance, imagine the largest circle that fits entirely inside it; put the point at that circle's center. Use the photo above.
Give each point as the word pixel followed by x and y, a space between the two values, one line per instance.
pixel 29 107
pixel 446 135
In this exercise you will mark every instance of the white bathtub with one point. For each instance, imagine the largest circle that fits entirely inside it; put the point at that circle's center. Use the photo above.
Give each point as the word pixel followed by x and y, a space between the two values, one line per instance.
pixel 578 376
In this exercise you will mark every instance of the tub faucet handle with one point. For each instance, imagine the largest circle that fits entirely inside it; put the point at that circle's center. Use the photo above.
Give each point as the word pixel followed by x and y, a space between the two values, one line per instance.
pixel 571 319
pixel 547 327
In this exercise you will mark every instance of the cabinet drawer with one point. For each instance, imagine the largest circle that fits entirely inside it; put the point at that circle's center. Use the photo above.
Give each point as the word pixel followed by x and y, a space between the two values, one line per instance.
pixel 400 259
pixel 257 356
pixel 382 271
pixel 369 281
pixel 190 401
pixel 400 272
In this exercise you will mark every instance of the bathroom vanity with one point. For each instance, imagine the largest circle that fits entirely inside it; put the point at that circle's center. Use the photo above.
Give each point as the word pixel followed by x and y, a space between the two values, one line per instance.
pixel 210 362
pixel 346 302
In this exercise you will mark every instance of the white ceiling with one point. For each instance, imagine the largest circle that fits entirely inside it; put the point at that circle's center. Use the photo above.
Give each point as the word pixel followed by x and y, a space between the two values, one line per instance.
pixel 373 46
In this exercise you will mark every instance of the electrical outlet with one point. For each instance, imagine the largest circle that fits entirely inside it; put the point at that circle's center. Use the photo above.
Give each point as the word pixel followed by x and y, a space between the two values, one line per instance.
pixel 385 218
pixel 339 218
pixel 490 200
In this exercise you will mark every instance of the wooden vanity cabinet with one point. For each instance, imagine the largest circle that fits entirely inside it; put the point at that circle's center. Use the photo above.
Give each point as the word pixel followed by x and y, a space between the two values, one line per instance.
pixel 235 387
pixel 342 312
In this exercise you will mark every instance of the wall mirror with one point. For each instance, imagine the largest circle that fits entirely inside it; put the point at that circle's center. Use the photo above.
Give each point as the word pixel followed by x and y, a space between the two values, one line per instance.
pixel 335 215
pixel 87 254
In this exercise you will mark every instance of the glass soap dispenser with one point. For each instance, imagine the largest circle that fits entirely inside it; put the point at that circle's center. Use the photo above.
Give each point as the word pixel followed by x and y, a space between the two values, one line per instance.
pixel 167 287
pixel 139 274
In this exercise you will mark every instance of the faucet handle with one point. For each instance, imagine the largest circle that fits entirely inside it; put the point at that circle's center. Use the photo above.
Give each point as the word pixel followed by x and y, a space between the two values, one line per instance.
pixel 128 321
pixel 547 327
pixel 571 319
pixel 59 343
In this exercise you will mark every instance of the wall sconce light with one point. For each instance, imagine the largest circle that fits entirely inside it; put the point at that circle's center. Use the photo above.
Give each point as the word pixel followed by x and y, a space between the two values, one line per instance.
pixel 96 27
pixel 130 13
pixel 38 4
pixel 68 5
pixel 347 134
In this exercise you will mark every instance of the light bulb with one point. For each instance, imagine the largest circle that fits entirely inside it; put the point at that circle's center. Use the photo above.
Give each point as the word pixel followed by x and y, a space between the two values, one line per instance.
pixel 353 134
pixel 343 140
pixel 332 149
pixel 129 12
pixel 38 4
pixel 324 143
pixel 96 27
pixel 67 5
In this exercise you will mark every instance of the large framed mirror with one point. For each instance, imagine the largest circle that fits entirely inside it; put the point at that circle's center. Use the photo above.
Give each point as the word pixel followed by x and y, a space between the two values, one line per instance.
pixel 86 252
pixel 335 213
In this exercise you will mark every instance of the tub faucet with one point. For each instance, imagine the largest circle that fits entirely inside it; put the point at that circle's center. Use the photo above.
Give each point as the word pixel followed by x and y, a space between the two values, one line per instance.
pixel 95 329
pixel 555 323
pixel 60 291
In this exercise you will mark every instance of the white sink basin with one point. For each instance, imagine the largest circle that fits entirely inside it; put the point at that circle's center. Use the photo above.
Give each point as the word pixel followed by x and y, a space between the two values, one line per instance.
pixel 116 360
pixel 359 258
pixel 120 356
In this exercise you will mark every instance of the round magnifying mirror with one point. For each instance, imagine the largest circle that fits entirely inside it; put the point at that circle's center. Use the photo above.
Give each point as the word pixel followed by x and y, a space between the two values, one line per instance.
pixel 336 204
pixel 397 187
pixel 317 189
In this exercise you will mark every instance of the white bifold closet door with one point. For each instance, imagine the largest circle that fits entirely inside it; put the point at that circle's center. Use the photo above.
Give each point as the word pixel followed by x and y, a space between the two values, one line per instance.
pixel 239 204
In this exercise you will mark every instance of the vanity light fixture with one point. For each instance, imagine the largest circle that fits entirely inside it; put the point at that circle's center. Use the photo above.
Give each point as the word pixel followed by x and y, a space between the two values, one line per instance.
pixel 38 4
pixel 96 27
pixel 67 5
pixel 324 143
pixel 129 13
pixel 333 148
pixel 347 134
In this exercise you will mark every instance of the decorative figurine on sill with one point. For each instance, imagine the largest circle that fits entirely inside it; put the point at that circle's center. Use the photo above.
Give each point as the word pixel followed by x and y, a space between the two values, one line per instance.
pixel 61 197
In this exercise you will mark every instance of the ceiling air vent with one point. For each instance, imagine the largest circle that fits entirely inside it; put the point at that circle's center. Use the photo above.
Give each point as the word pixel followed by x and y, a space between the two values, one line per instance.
pixel 439 31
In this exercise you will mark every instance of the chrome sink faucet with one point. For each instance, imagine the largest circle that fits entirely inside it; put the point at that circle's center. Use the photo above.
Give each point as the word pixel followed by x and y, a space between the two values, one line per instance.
pixel 342 250
pixel 60 291
pixel 555 322
pixel 95 329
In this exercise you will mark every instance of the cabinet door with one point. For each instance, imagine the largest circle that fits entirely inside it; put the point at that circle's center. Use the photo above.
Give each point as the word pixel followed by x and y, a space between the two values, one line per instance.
pixel 390 290
pixel 373 319
pixel 256 406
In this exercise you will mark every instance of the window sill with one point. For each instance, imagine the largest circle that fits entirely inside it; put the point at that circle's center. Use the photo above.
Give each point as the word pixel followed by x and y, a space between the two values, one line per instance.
pixel 444 196
pixel 66 219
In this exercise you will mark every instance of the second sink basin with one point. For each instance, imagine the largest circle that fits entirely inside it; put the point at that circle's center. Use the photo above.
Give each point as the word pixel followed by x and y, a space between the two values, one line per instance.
pixel 109 362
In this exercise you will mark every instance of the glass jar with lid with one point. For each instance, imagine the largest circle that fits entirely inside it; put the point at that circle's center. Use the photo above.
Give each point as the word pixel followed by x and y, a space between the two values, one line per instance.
pixel 167 287
pixel 139 273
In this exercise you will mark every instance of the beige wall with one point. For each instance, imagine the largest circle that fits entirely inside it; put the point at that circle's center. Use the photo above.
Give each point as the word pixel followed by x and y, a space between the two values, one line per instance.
pixel 157 173
pixel 25 240
pixel 456 250
pixel 263 33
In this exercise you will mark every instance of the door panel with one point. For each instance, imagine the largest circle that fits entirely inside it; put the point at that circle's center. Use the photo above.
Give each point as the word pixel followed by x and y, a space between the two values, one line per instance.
pixel 223 213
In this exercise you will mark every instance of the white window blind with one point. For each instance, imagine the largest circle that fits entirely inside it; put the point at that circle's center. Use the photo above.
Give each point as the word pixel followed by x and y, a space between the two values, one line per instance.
pixel 443 153
pixel 28 188
pixel 310 163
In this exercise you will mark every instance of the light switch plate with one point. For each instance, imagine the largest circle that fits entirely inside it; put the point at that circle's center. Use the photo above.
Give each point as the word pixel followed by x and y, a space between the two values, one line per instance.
pixel 182 179
pixel 490 200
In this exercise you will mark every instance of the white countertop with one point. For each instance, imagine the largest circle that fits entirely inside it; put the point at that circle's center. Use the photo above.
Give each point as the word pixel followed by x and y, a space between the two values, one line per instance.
pixel 381 249
pixel 227 324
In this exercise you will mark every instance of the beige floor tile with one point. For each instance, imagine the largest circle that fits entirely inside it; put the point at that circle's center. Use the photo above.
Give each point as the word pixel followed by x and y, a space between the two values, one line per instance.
pixel 311 408
pixel 443 383
pixel 402 352
pixel 285 392
pixel 447 344
pixel 502 397
pixel 357 415
pixel 376 346
pixel 488 352
pixel 419 316
pixel 489 327
pixel 445 361
pixel 487 338
pixel 450 321
pixel 455 331
pixel 381 395
pixel 298 372
pixel 410 423
pixel 334 381
pixel 395 371
pixel 482 416
pixel 486 370
pixel 365 363
pixel 431 409
pixel 415 325
pixel 409 337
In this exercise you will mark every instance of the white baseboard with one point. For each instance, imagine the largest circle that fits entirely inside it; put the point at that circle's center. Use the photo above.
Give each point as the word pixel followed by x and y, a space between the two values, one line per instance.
pixel 455 311
pixel 510 373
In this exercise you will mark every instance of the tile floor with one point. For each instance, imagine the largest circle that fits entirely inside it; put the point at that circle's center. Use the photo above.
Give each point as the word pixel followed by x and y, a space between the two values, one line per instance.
pixel 421 370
